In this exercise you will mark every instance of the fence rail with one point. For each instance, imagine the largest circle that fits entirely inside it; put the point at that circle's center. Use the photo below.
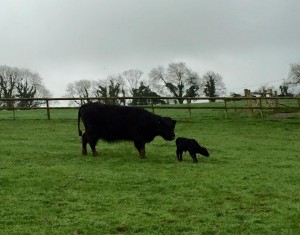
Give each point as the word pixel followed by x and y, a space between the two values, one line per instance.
pixel 249 104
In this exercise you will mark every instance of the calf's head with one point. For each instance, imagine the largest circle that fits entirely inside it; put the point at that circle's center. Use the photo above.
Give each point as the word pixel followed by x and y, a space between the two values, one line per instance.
pixel 203 151
pixel 166 128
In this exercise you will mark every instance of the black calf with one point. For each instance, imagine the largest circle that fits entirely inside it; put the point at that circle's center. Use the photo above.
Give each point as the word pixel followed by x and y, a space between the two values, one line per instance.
pixel 190 145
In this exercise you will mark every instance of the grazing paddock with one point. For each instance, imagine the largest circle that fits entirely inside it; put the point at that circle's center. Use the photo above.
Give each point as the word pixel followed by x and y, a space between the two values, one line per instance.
pixel 248 185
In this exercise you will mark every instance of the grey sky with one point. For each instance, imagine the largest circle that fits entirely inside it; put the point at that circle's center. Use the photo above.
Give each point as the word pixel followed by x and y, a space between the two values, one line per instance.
pixel 249 42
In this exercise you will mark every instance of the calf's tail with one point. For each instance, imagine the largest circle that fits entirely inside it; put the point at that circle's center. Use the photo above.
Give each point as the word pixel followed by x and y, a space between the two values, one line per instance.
pixel 78 123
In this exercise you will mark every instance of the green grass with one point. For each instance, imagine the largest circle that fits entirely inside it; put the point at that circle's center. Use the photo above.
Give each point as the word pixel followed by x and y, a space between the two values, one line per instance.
pixel 249 185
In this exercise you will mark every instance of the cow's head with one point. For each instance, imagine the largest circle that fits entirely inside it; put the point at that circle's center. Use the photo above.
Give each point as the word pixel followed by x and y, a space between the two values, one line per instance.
pixel 166 128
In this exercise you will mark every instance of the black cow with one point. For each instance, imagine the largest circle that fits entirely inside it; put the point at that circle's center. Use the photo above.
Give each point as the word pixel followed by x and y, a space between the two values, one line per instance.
pixel 190 145
pixel 115 122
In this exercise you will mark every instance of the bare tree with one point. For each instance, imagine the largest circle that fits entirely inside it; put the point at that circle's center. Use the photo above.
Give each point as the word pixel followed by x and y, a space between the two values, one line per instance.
pixel 294 74
pixel 158 79
pixel 284 89
pixel 179 80
pixel 8 80
pixel 212 85
pixel 111 87
pixel 31 86
pixel 81 89
pixel 293 81
pixel 21 83
pixel 132 79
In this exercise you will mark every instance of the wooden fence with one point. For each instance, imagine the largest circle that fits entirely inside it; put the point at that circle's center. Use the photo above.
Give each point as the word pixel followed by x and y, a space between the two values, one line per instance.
pixel 251 105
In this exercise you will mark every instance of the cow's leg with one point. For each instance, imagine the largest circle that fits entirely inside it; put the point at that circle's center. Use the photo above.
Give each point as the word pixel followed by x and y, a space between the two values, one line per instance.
pixel 84 139
pixel 140 146
pixel 93 142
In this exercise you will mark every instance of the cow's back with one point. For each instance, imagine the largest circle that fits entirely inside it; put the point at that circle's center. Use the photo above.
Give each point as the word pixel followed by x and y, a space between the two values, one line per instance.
pixel 113 122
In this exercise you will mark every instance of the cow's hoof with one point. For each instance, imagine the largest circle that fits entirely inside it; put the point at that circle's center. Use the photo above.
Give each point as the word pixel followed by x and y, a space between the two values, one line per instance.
pixel 96 154
pixel 142 153
pixel 84 152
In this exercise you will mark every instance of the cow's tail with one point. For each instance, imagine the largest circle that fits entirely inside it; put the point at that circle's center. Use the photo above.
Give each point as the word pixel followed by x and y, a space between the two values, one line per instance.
pixel 78 123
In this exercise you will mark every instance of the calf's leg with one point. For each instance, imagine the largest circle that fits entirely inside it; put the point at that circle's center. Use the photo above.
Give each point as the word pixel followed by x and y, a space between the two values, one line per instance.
pixel 179 155
pixel 193 155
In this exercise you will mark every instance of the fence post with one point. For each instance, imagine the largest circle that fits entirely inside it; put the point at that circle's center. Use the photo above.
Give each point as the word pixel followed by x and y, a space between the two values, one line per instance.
pixel 225 106
pixel 247 94
pixel 276 100
pixel 260 108
pixel 189 101
pixel 152 106
pixel 48 110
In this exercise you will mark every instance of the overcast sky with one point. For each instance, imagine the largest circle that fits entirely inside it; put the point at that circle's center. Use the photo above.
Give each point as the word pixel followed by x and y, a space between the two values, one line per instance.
pixel 249 42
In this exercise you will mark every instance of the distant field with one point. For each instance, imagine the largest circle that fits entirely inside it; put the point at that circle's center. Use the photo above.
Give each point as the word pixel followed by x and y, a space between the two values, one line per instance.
pixel 249 185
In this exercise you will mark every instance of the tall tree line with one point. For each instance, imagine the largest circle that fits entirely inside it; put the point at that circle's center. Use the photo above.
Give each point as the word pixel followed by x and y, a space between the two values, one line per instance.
pixel 176 80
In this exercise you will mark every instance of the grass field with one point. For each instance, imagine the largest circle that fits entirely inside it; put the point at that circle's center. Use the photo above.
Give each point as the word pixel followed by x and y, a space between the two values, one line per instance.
pixel 249 185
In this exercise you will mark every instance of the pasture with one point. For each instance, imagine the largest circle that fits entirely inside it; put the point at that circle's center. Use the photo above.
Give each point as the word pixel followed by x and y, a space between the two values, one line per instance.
pixel 248 185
